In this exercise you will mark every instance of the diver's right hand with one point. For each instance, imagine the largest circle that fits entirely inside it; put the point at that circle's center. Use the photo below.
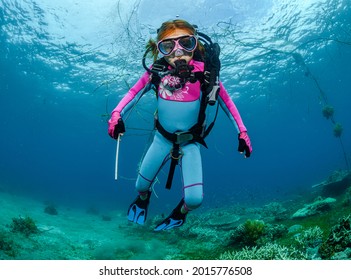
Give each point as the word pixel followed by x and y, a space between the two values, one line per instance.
pixel 115 129
pixel 244 144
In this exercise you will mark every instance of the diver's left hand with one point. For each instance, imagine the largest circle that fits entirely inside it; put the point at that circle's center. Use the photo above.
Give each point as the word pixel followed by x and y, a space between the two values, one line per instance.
pixel 244 144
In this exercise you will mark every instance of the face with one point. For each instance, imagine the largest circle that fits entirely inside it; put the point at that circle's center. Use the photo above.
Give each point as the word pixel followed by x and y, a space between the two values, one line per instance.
pixel 178 53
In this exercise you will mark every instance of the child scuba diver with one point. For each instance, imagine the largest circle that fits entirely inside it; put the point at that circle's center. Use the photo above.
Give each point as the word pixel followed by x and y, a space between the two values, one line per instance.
pixel 185 84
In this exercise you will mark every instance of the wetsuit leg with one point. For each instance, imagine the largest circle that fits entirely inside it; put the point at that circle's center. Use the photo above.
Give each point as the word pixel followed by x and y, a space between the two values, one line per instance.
pixel 191 167
pixel 155 158
pixel 153 161
pixel 193 189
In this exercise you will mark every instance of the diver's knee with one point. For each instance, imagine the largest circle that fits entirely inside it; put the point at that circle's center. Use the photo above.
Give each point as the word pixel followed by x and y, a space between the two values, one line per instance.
pixel 193 202
pixel 142 183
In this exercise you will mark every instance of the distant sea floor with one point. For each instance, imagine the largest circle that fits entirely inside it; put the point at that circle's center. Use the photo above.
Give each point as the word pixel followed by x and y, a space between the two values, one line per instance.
pixel 293 229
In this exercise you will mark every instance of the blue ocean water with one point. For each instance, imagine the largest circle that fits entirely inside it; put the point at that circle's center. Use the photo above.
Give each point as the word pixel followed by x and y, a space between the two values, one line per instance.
pixel 64 66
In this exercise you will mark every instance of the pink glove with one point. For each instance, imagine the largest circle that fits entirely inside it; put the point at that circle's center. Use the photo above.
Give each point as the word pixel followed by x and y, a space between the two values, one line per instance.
pixel 244 144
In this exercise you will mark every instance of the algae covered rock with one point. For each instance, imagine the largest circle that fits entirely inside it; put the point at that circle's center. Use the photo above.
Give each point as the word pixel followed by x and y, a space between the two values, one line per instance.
pixel 6 245
pixel 24 226
pixel 51 210
pixel 318 206
pixel 275 211
pixel 337 183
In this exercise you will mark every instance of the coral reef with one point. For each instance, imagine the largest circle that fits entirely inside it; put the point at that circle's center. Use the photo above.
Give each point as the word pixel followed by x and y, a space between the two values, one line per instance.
pixel 275 210
pixel 318 206
pixel 273 232
pixel 343 255
pixel 248 233
pixel 310 238
pixel 270 251
pixel 339 239
pixel 337 175
pixel 337 183
pixel 24 226
pixel 347 198
pixel 234 231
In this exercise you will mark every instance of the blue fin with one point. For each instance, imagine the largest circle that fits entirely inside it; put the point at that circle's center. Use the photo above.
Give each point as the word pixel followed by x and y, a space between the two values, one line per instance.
pixel 169 224
pixel 175 219
pixel 137 211
pixel 136 214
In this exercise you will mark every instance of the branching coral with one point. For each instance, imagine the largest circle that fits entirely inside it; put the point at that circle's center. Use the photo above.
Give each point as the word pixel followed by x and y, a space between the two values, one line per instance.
pixel 273 232
pixel 270 251
pixel 310 238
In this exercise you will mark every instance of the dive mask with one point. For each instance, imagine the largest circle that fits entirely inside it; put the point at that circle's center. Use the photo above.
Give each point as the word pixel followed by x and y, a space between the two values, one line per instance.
pixel 167 46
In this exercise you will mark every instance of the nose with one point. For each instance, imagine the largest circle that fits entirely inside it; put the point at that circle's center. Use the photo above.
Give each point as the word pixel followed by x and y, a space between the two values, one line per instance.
pixel 178 52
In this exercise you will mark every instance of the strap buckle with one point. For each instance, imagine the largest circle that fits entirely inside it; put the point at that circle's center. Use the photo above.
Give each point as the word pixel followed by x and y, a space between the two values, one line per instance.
pixel 176 155
pixel 183 136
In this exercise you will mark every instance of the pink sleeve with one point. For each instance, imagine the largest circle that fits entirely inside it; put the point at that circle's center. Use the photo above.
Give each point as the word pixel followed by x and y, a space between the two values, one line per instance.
pixel 129 99
pixel 230 109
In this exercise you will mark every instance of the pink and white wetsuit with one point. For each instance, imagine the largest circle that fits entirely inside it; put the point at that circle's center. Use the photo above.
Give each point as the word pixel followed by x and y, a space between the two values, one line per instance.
pixel 177 111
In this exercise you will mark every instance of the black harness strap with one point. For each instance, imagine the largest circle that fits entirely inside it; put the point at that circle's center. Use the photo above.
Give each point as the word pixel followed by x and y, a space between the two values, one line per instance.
pixel 178 138
pixel 176 154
